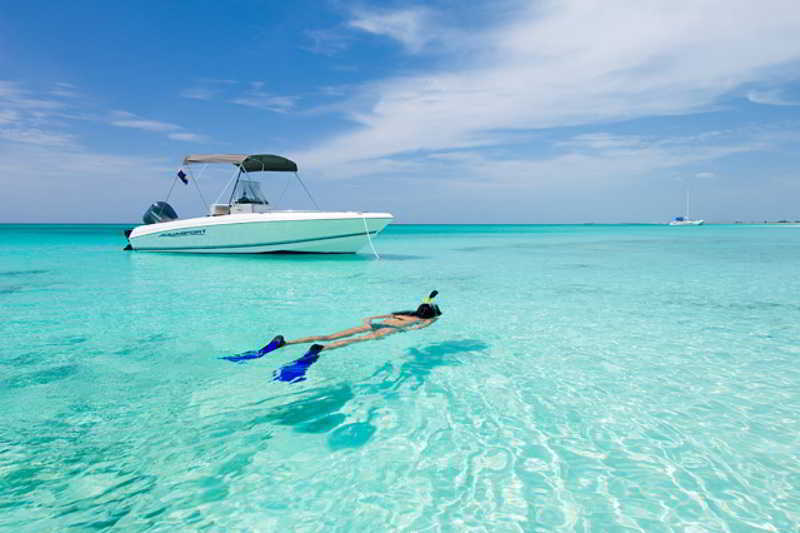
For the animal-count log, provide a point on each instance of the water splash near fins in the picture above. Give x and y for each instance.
(273, 345)
(295, 371)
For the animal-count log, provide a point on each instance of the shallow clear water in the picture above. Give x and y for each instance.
(582, 378)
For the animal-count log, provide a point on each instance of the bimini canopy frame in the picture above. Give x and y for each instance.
(248, 163)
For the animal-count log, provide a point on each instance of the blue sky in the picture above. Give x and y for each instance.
(503, 111)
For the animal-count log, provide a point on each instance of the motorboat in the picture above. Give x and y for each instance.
(242, 221)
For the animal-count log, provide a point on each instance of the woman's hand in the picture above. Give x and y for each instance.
(423, 323)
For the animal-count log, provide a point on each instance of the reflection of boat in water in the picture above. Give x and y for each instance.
(686, 221)
(247, 224)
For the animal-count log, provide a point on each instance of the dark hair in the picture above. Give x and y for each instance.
(427, 311)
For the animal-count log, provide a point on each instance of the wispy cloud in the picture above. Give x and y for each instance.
(407, 26)
(771, 97)
(76, 171)
(207, 89)
(36, 136)
(143, 124)
(192, 137)
(582, 159)
(65, 90)
(327, 41)
(13, 95)
(558, 64)
(8, 116)
(253, 96)
(262, 100)
(125, 119)
(199, 93)
(26, 118)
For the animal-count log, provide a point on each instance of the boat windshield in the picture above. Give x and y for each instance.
(248, 192)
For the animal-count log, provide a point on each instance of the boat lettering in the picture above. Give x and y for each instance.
(186, 233)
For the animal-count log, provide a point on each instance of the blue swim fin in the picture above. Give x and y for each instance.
(296, 370)
(273, 345)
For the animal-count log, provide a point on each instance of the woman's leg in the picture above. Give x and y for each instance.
(374, 335)
(332, 336)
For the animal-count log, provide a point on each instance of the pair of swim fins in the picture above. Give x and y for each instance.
(291, 372)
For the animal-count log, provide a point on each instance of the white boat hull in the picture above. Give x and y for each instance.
(686, 223)
(258, 233)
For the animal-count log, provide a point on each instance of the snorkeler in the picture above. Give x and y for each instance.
(425, 315)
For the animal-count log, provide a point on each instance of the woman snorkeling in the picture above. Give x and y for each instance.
(425, 315)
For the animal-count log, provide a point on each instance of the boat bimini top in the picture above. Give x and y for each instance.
(242, 195)
(248, 163)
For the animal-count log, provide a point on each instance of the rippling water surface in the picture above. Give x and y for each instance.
(582, 378)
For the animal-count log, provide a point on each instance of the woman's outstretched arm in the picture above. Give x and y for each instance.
(422, 324)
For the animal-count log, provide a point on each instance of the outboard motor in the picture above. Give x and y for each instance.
(159, 212)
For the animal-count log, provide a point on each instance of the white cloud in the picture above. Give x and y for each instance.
(566, 63)
(125, 119)
(64, 93)
(598, 158)
(407, 26)
(9, 90)
(771, 97)
(12, 95)
(262, 100)
(190, 137)
(28, 120)
(253, 97)
(602, 140)
(147, 125)
(327, 42)
(36, 136)
(207, 89)
(136, 181)
(64, 90)
(7, 116)
(199, 93)
(703, 175)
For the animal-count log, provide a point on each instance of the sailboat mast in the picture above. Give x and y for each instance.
(687, 204)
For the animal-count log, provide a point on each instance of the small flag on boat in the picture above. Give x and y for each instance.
(182, 176)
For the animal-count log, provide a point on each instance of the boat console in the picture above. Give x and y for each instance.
(249, 208)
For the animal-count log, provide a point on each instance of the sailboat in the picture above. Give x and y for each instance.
(686, 220)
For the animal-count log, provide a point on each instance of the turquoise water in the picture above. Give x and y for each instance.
(582, 378)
